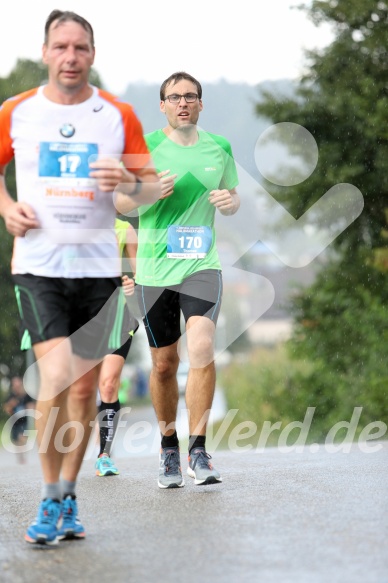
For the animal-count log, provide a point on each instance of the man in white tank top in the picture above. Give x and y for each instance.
(73, 144)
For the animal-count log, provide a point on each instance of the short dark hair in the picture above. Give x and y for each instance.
(58, 15)
(175, 78)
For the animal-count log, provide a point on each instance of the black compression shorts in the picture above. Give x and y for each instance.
(91, 311)
(198, 295)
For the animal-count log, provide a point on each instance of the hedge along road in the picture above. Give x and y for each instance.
(278, 516)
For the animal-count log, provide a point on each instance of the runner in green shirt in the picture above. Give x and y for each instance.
(176, 235)
(178, 270)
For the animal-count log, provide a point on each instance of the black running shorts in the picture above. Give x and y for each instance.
(198, 295)
(91, 311)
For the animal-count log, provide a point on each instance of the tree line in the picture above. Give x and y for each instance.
(341, 320)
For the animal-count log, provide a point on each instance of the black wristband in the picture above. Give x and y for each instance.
(139, 184)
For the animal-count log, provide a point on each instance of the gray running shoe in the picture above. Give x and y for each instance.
(170, 473)
(201, 469)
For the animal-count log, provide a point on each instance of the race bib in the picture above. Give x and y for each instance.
(62, 160)
(68, 193)
(188, 242)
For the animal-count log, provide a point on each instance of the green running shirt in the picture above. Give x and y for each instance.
(176, 236)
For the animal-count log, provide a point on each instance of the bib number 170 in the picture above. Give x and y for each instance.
(189, 242)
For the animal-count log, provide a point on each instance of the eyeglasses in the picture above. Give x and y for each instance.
(175, 98)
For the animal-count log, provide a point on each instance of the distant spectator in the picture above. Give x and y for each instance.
(141, 383)
(16, 404)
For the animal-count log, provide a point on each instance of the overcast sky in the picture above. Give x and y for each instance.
(237, 40)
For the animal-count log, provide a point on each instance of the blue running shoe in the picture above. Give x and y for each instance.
(105, 466)
(71, 526)
(45, 528)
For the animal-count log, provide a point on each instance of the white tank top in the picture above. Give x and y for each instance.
(53, 145)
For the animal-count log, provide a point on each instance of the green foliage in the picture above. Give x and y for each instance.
(265, 387)
(274, 386)
(341, 321)
(341, 324)
(343, 102)
(26, 75)
(9, 329)
(258, 386)
(9, 336)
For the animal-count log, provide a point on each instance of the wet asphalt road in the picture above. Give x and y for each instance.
(312, 517)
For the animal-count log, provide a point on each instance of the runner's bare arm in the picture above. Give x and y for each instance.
(128, 285)
(131, 189)
(167, 183)
(19, 217)
(131, 247)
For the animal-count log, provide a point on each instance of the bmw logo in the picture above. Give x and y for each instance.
(67, 130)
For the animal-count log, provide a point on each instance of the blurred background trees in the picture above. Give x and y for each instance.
(340, 321)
